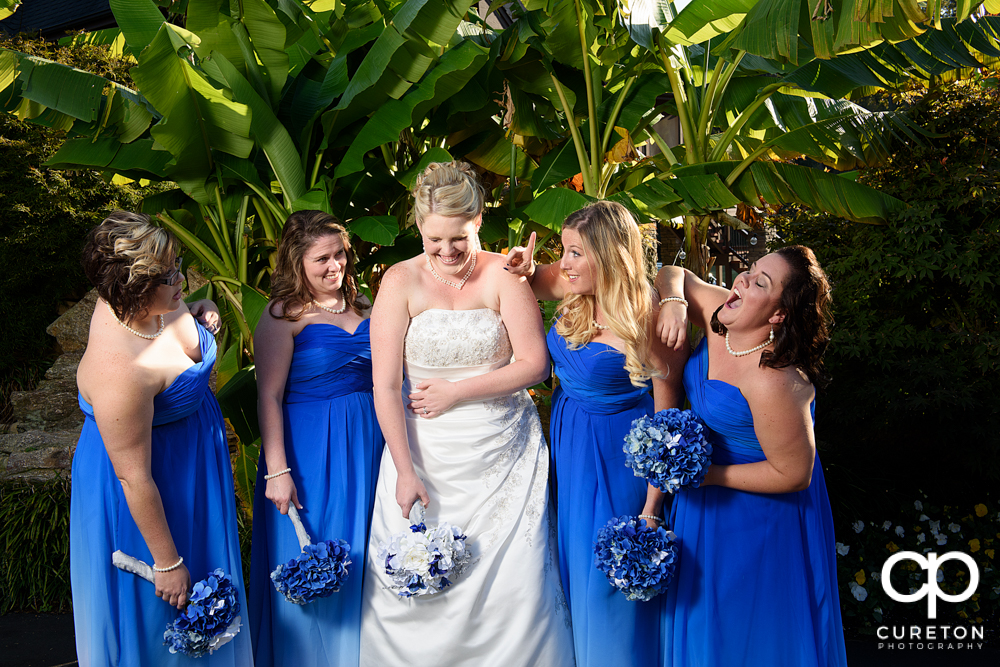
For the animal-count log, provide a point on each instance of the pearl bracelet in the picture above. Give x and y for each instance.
(278, 474)
(168, 569)
(650, 516)
(678, 299)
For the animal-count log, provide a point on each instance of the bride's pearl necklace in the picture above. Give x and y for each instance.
(743, 353)
(334, 311)
(458, 285)
(131, 330)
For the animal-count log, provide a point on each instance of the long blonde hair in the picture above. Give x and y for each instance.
(622, 291)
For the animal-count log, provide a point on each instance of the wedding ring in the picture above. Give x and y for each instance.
(425, 411)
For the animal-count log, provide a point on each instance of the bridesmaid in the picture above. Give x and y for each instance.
(321, 443)
(757, 575)
(151, 472)
(604, 351)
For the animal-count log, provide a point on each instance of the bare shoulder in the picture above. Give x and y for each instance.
(788, 386)
(493, 266)
(107, 370)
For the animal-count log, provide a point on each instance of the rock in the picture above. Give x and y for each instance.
(36, 455)
(47, 410)
(72, 328)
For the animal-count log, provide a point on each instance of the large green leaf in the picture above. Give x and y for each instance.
(138, 159)
(378, 229)
(238, 398)
(268, 35)
(139, 21)
(552, 207)
(254, 304)
(556, 166)
(8, 7)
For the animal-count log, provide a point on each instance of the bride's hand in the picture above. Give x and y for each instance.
(432, 397)
(408, 489)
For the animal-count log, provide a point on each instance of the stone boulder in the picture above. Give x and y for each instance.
(36, 455)
(72, 328)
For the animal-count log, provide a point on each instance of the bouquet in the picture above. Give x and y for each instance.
(420, 559)
(317, 572)
(210, 619)
(637, 560)
(669, 449)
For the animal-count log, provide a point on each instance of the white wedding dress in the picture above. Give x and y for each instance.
(485, 466)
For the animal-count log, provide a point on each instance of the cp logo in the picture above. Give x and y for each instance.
(930, 590)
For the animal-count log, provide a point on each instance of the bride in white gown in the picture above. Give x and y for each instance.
(465, 439)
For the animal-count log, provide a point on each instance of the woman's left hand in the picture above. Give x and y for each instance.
(433, 397)
(206, 312)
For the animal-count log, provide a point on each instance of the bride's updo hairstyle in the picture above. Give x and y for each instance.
(289, 288)
(613, 245)
(124, 257)
(448, 189)
(801, 339)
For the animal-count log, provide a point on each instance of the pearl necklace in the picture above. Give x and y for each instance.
(458, 285)
(770, 339)
(333, 311)
(131, 330)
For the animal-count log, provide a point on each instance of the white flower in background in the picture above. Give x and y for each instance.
(899, 530)
(876, 576)
(858, 591)
(934, 527)
(858, 526)
(954, 527)
(941, 539)
(921, 538)
(917, 505)
(923, 517)
(887, 525)
(842, 549)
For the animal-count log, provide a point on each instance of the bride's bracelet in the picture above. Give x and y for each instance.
(278, 474)
(650, 516)
(678, 299)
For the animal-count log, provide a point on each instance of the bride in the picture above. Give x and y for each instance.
(464, 439)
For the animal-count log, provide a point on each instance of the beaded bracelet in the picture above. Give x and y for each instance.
(168, 569)
(678, 299)
(278, 474)
(650, 516)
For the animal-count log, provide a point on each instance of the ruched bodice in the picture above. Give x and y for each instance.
(593, 376)
(724, 410)
(329, 362)
(184, 395)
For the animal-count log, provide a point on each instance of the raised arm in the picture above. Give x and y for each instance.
(779, 402)
(390, 319)
(122, 397)
(702, 298)
(273, 347)
(545, 279)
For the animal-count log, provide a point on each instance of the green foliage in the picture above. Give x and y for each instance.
(34, 546)
(915, 355)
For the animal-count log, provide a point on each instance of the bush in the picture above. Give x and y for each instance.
(34, 543)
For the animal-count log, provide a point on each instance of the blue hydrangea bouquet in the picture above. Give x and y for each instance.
(637, 559)
(669, 449)
(317, 572)
(420, 559)
(210, 619)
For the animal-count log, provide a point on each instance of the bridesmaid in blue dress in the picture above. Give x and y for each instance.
(151, 472)
(756, 581)
(321, 443)
(604, 352)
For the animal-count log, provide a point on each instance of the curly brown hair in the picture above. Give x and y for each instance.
(125, 257)
(806, 301)
(289, 288)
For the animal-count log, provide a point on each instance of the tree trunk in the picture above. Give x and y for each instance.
(695, 237)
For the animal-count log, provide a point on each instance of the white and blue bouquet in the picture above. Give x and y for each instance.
(420, 559)
(638, 560)
(669, 449)
(317, 572)
(210, 619)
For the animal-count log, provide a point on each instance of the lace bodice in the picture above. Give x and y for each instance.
(448, 338)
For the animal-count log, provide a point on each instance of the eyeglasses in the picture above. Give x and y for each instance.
(170, 277)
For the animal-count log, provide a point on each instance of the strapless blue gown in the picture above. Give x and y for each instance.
(757, 576)
(333, 445)
(592, 409)
(118, 618)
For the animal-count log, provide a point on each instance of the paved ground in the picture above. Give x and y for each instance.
(46, 640)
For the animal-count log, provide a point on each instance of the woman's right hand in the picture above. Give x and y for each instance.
(520, 260)
(672, 324)
(173, 586)
(281, 491)
(408, 489)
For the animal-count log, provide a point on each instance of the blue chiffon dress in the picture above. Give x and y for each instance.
(757, 578)
(592, 410)
(333, 445)
(118, 618)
